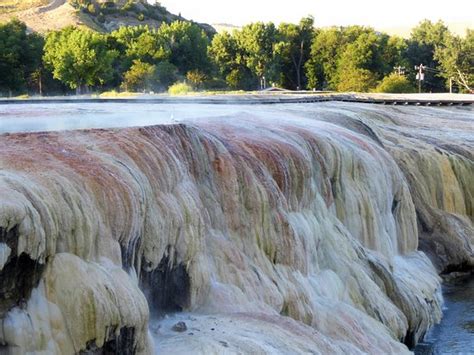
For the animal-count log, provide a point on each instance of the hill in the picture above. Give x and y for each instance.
(458, 28)
(100, 15)
(225, 27)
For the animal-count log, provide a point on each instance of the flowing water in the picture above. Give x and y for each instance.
(455, 333)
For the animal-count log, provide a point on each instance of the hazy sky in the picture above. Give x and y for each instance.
(326, 12)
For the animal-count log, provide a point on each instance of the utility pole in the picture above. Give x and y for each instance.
(420, 75)
(399, 70)
(451, 85)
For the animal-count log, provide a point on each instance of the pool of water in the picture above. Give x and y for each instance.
(455, 333)
(70, 116)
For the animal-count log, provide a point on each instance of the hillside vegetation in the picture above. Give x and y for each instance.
(100, 15)
(9, 6)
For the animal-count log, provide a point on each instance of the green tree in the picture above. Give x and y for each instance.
(396, 84)
(134, 43)
(20, 57)
(294, 48)
(187, 44)
(224, 51)
(139, 43)
(79, 58)
(321, 66)
(256, 44)
(362, 60)
(456, 60)
(326, 50)
(140, 77)
(424, 40)
(395, 53)
(175, 49)
(342, 56)
(228, 56)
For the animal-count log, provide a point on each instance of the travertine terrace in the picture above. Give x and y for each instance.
(316, 227)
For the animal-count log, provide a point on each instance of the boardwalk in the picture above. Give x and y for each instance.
(265, 98)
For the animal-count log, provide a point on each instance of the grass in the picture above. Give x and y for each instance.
(113, 93)
(178, 89)
(7, 6)
(224, 92)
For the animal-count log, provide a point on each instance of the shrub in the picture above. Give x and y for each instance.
(196, 78)
(357, 80)
(241, 78)
(215, 84)
(396, 84)
(180, 89)
(140, 76)
(91, 9)
(108, 4)
(129, 6)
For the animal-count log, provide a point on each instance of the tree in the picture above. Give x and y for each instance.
(136, 43)
(326, 50)
(79, 58)
(20, 57)
(395, 83)
(294, 48)
(395, 53)
(456, 60)
(179, 47)
(229, 57)
(187, 44)
(340, 57)
(224, 51)
(256, 44)
(424, 40)
(363, 61)
(321, 66)
(140, 77)
(139, 43)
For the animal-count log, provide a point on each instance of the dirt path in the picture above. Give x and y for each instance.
(52, 6)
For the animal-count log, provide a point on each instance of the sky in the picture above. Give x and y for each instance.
(378, 14)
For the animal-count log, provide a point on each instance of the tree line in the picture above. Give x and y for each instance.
(292, 56)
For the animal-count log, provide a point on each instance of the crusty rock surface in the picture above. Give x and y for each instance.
(304, 228)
